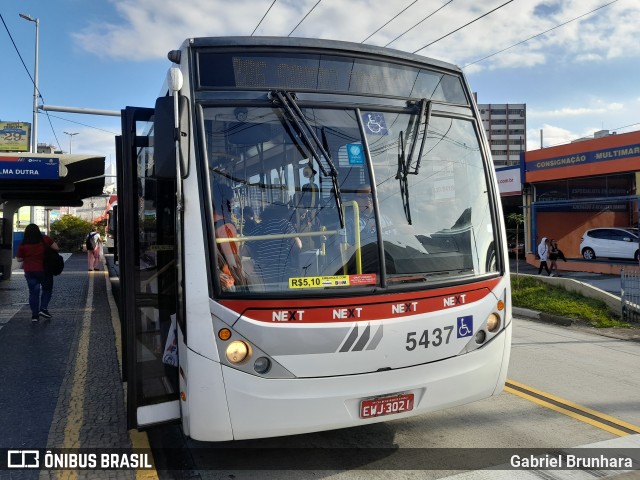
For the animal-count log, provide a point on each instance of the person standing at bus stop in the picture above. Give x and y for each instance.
(94, 249)
(31, 255)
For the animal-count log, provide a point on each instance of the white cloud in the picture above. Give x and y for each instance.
(550, 136)
(553, 135)
(575, 111)
(148, 29)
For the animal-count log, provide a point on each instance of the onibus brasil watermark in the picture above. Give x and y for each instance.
(78, 460)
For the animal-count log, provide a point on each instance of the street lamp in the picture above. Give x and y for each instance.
(34, 127)
(70, 137)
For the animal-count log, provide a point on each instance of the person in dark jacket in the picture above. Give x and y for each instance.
(40, 283)
(554, 254)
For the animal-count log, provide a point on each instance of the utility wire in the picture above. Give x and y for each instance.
(539, 34)
(80, 123)
(612, 129)
(53, 130)
(38, 90)
(303, 18)
(39, 95)
(407, 31)
(263, 17)
(397, 15)
(20, 56)
(463, 26)
(626, 126)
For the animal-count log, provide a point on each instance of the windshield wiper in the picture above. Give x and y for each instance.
(404, 162)
(401, 175)
(296, 117)
(424, 106)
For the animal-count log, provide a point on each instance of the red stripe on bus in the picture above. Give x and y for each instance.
(366, 308)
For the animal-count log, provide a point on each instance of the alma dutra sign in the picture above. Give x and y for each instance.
(29, 168)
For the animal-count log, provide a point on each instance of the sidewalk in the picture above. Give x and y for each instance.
(61, 377)
(594, 285)
(608, 283)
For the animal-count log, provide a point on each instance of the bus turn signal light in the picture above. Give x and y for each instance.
(224, 334)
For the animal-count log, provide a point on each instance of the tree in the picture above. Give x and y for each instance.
(69, 232)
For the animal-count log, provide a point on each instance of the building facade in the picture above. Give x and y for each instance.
(505, 125)
(586, 184)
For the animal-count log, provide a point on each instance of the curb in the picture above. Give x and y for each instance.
(618, 334)
(542, 317)
(558, 320)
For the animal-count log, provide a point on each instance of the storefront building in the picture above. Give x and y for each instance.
(571, 188)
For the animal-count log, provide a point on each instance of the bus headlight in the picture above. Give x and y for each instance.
(237, 351)
(493, 322)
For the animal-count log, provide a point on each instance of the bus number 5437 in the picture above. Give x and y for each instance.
(435, 338)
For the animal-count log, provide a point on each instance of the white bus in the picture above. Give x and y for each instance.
(370, 281)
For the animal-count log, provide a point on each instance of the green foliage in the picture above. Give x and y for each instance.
(516, 219)
(536, 295)
(69, 232)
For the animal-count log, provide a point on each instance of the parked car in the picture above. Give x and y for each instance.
(610, 242)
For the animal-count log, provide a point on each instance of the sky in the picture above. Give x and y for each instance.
(578, 72)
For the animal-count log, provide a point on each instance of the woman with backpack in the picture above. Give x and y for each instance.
(94, 249)
(31, 255)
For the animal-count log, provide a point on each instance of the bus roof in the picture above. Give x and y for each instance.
(315, 44)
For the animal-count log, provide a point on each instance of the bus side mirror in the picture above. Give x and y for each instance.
(165, 136)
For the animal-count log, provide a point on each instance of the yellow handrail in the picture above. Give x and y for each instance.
(356, 228)
(356, 222)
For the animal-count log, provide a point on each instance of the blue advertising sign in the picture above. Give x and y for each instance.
(616, 153)
(29, 168)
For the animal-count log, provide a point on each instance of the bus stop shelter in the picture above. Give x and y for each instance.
(47, 180)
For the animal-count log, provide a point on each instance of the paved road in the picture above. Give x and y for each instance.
(578, 368)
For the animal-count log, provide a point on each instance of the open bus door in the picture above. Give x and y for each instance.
(148, 280)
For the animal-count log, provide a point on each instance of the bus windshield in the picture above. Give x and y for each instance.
(411, 190)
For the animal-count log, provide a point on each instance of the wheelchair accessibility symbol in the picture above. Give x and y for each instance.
(374, 123)
(465, 326)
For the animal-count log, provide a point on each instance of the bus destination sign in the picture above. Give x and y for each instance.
(29, 168)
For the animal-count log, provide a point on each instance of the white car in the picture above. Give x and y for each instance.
(610, 242)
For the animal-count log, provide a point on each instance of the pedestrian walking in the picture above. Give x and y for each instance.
(554, 254)
(543, 253)
(31, 255)
(93, 242)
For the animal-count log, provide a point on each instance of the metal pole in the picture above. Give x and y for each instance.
(47, 220)
(34, 126)
(35, 93)
(70, 137)
(541, 137)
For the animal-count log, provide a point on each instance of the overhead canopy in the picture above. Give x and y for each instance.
(50, 180)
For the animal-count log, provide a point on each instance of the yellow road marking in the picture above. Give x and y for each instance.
(592, 417)
(76, 396)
